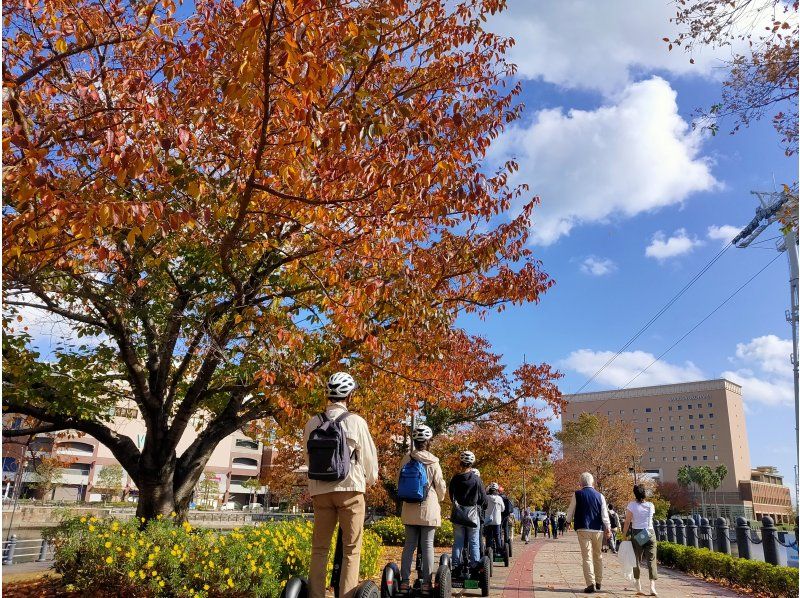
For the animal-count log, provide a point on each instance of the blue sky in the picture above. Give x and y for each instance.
(629, 192)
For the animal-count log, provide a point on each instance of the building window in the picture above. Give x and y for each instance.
(710, 416)
(703, 447)
(699, 416)
(609, 413)
(694, 457)
(649, 449)
(661, 428)
(636, 430)
(245, 463)
(691, 427)
(681, 427)
(621, 411)
(664, 459)
(661, 419)
(648, 410)
(649, 419)
(702, 436)
(689, 407)
(684, 459)
(670, 407)
(713, 437)
(691, 417)
(709, 404)
(649, 429)
(672, 428)
(680, 418)
(635, 421)
(663, 438)
(660, 408)
(636, 411)
(716, 458)
(573, 416)
(680, 407)
(652, 459)
(246, 443)
(694, 448)
(663, 450)
(713, 447)
(649, 439)
(702, 426)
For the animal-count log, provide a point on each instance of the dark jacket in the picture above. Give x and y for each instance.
(509, 506)
(467, 490)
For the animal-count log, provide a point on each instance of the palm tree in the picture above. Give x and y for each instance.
(721, 472)
(686, 476)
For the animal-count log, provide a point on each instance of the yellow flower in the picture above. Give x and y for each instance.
(107, 544)
(154, 573)
(157, 548)
(131, 574)
(91, 528)
(205, 586)
(143, 519)
(142, 574)
(83, 519)
(230, 582)
(93, 519)
(161, 584)
(226, 571)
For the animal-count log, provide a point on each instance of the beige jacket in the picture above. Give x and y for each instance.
(429, 511)
(364, 464)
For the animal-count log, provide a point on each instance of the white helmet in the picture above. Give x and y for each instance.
(340, 385)
(422, 432)
(467, 457)
(493, 486)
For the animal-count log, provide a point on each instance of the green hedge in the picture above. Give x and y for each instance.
(167, 559)
(759, 577)
(392, 532)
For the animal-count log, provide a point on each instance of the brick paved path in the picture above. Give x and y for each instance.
(552, 569)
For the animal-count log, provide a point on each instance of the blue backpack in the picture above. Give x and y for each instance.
(413, 484)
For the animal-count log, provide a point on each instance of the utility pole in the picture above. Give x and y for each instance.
(772, 202)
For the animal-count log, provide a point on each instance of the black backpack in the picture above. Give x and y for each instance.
(328, 451)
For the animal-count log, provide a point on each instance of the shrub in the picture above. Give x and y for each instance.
(167, 559)
(759, 577)
(393, 533)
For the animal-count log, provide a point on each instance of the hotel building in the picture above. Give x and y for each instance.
(694, 423)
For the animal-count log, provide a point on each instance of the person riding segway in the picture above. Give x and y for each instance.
(342, 461)
(421, 488)
(471, 567)
(505, 524)
(492, 521)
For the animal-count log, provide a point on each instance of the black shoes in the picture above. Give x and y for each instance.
(589, 589)
(597, 587)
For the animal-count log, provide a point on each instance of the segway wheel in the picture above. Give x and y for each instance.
(296, 587)
(444, 561)
(390, 580)
(509, 543)
(443, 582)
(485, 574)
(490, 556)
(367, 589)
(506, 559)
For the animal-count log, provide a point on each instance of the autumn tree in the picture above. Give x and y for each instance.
(605, 449)
(109, 481)
(762, 78)
(678, 496)
(233, 204)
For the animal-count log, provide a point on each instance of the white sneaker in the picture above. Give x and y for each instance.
(653, 588)
(638, 586)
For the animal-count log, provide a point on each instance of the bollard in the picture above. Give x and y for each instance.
(680, 534)
(43, 549)
(11, 546)
(723, 541)
(706, 534)
(743, 537)
(670, 530)
(660, 531)
(769, 537)
(691, 532)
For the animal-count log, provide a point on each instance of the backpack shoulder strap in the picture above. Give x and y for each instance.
(342, 417)
(323, 417)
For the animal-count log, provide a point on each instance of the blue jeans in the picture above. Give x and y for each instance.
(493, 537)
(469, 536)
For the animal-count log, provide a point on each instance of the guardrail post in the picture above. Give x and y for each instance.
(43, 549)
(670, 530)
(743, 537)
(11, 546)
(723, 544)
(680, 535)
(657, 529)
(691, 532)
(663, 530)
(706, 540)
(769, 536)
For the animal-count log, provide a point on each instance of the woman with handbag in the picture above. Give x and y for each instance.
(467, 495)
(639, 522)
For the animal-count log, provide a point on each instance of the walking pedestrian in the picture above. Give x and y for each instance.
(527, 522)
(639, 522)
(421, 518)
(546, 526)
(589, 510)
(612, 539)
(562, 523)
(337, 480)
(554, 525)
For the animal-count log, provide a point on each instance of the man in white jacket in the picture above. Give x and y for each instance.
(493, 517)
(341, 501)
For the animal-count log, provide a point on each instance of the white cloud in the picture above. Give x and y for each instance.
(662, 248)
(723, 233)
(597, 266)
(601, 45)
(765, 371)
(628, 365)
(620, 160)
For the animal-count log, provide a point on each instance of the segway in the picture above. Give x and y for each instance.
(477, 576)
(297, 587)
(507, 538)
(441, 586)
(500, 557)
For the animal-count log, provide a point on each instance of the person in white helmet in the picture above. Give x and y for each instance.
(420, 477)
(467, 495)
(494, 517)
(342, 461)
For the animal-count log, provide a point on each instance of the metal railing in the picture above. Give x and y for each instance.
(26, 551)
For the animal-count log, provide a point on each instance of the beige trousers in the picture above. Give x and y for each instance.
(346, 508)
(591, 544)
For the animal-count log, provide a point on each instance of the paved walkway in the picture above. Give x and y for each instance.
(552, 569)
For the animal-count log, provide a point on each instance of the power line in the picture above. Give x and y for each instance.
(658, 314)
(696, 326)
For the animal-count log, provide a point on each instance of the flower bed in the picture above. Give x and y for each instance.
(393, 533)
(758, 577)
(167, 559)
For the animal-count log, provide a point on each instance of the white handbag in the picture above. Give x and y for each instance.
(627, 558)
